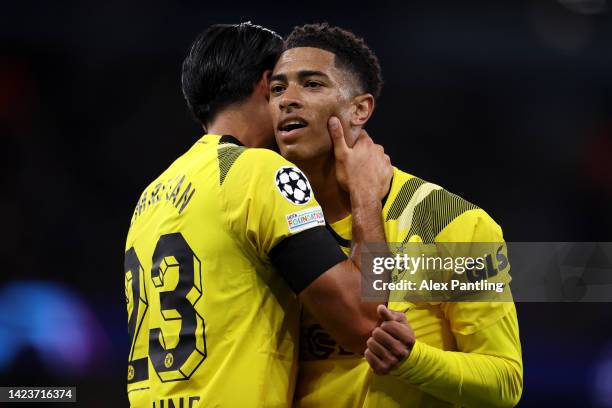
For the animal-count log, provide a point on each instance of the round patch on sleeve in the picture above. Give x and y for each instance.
(293, 185)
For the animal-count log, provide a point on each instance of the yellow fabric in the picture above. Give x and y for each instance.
(467, 353)
(487, 372)
(222, 200)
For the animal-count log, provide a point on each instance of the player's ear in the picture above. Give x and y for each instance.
(362, 109)
(264, 83)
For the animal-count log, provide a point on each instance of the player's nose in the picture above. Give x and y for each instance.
(290, 99)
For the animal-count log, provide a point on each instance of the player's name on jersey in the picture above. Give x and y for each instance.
(180, 402)
(177, 191)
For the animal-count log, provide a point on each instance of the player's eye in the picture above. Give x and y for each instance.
(277, 89)
(312, 84)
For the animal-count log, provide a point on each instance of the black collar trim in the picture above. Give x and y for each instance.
(384, 200)
(230, 139)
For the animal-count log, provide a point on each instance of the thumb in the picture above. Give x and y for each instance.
(337, 135)
(388, 315)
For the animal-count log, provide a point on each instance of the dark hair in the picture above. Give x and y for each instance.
(352, 53)
(224, 64)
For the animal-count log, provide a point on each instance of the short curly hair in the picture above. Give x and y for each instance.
(352, 53)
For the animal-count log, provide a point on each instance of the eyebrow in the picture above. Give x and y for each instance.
(301, 75)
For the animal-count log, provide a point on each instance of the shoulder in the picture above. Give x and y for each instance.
(437, 214)
(265, 174)
(252, 162)
(265, 160)
(263, 167)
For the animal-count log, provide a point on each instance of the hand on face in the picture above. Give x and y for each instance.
(363, 168)
(391, 342)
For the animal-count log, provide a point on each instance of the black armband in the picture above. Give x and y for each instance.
(303, 257)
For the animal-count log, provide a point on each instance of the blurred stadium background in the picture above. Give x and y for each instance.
(508, 104)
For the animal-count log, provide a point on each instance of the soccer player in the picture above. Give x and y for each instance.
(464, 353)
(226, 240)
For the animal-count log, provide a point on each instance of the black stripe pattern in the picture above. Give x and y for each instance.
(227, 155)
(435, 212)
(432, 214)
(403, 198)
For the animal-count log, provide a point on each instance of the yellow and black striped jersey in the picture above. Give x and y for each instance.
(414, 211)
(211, 282)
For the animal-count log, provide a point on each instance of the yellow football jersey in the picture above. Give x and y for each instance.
(212, 322)
(414, 211)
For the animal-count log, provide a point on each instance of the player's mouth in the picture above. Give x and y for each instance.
(291, 127)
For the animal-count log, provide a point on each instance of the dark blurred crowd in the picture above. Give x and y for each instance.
(507, 104)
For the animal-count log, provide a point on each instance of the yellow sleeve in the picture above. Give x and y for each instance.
(468, 317)
(267, 200)
(488, 371)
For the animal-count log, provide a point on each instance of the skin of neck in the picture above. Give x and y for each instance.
(237, 120)
(321, 172)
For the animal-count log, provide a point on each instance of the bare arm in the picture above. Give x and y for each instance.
(335, 297)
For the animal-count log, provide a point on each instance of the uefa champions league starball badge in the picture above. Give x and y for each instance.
(293, 185)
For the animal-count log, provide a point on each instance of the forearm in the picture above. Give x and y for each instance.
(368, 229)
(469, 379)
(367, 223)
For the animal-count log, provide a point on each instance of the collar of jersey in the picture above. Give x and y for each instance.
(342, 229)
(230, 139)
(223, 139)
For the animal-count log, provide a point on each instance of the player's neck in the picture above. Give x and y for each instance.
(240, 124)
(336, 202)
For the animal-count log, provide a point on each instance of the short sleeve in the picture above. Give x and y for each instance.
(271, 207)
(269, 199)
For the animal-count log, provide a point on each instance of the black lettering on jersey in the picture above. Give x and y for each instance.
(317, 344)
(180, 402)
(185, 198)
(175, 190)
(142, 204)
(138, 369)
(489, 271)
(181, 361)
(179, 198)
(168, 187)
(155, 198)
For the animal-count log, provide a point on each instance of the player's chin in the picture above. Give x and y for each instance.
(290, 152)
